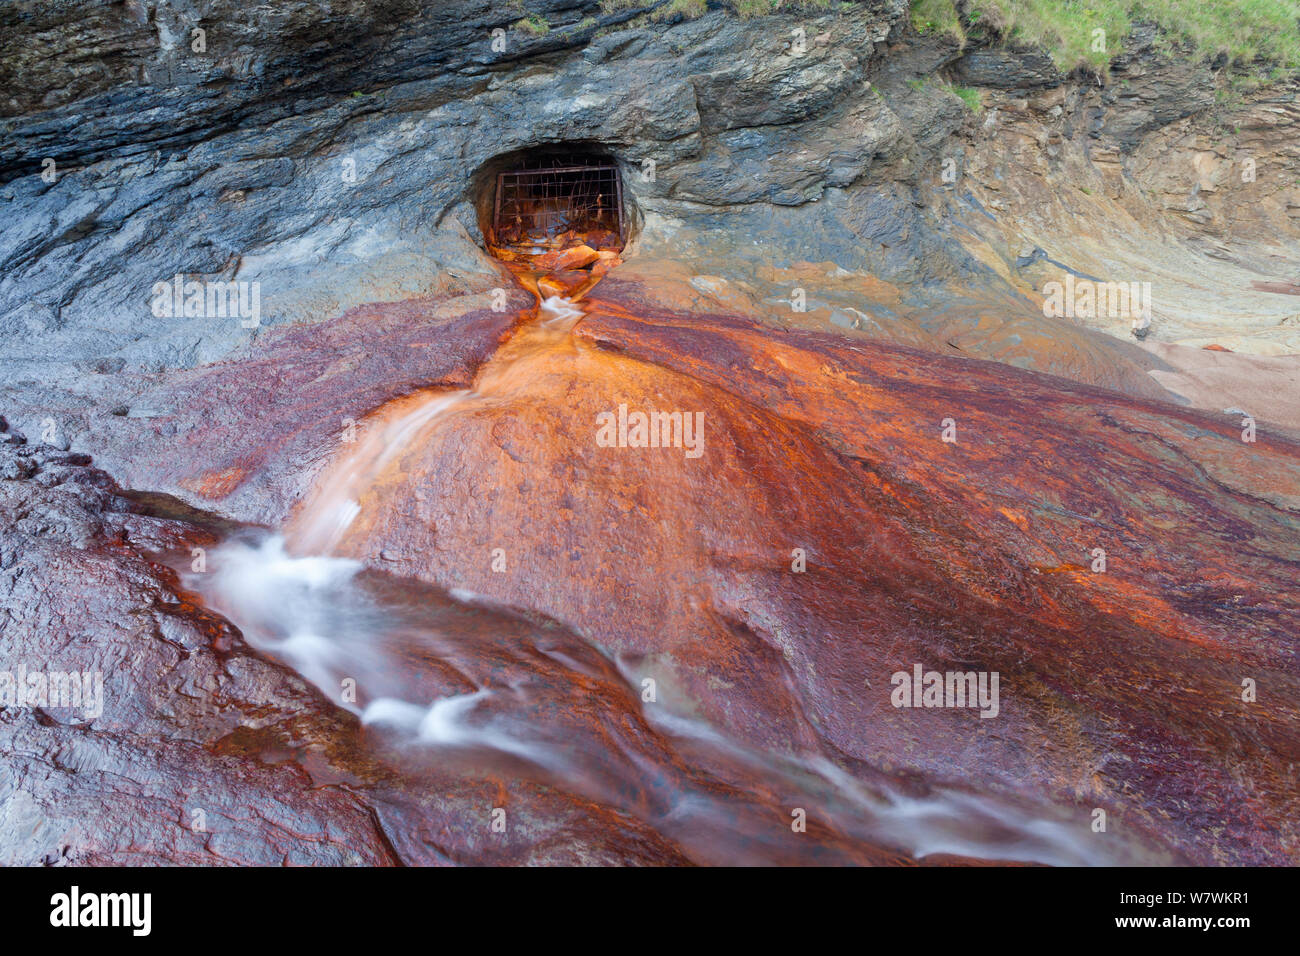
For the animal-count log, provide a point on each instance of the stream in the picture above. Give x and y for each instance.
(448, 677)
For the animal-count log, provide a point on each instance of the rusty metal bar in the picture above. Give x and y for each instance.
(534, 206)
(556, 169)
(618, 190)
(496, 208)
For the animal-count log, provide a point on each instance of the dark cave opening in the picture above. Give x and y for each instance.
(550, 198)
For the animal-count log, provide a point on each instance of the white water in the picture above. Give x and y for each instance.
(443, 675)
(337, 502)
(559, 313)
(318, 615)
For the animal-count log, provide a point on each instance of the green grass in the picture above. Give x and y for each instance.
(687, 8)
(937, 16)
(535, 25)
(970, 96)
(1245, 30)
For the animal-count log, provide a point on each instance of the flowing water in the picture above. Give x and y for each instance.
(334, 505)
(450, 678)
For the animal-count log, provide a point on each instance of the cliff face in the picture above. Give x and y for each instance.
(333, 152)
(333, 161)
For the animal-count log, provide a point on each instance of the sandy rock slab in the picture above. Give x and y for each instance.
(1266, 387)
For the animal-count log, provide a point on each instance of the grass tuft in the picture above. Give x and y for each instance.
(1092, 32)
(971, 97)
(537, 26)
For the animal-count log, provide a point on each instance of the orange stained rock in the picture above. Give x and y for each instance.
(565, 284)
(826, 537)
(217, 484)
(575, 257)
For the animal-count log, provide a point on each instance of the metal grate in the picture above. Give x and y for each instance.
(541, 206)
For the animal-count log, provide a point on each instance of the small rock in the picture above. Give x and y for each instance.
(14, 469)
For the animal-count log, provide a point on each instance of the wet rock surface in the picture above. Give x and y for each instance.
(1122, 689)
(119, 779)
(198, 750)
(825, 537)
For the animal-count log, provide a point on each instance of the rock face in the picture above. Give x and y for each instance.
(687, 565)
(122, 779)
(262, 150)
(823, 539)
(190, 748)
(1009, 69)
(1119, 185)
(333, 155)
(824, 240)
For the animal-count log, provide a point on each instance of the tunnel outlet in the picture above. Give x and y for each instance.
(545, 200)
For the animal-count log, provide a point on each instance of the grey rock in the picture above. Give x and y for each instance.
(1009, 69)
(258, 162)
(254, 162)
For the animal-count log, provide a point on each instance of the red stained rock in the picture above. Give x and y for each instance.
(604, 240)
(205, 752)
(1120, 690)
(247, 435)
